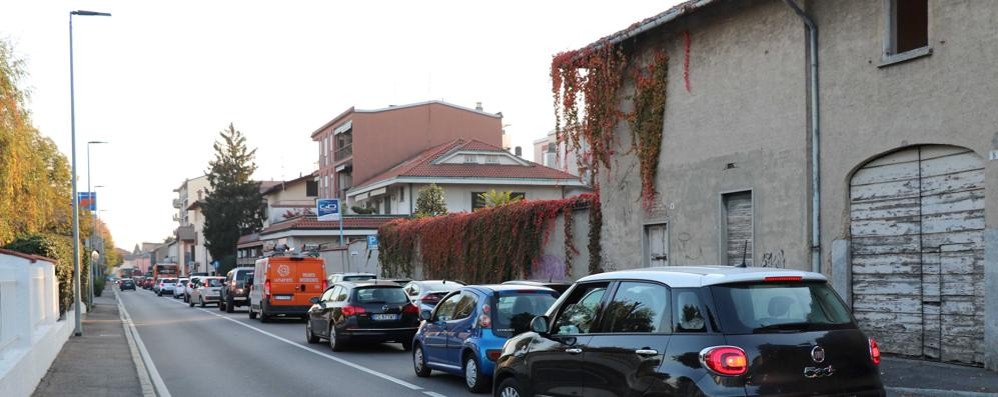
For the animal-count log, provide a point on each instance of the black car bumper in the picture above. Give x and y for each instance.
(379, 334)
(273, 310)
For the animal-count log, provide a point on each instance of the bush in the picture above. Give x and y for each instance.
(99, 286)
(363, 210)
(59, 248)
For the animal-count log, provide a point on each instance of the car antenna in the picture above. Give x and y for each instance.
(744, 254)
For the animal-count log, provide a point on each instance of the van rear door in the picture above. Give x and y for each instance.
(293, 281)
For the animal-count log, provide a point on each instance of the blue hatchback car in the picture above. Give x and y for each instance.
(464, 333)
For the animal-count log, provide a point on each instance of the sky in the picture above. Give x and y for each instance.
(159, 79)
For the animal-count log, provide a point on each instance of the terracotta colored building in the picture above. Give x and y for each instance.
(359, 144)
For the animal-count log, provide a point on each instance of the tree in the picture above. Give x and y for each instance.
(431, 201)
(234, 205)
(493, 198)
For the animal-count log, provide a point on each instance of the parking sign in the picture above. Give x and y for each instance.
(327, 209)
(372, 242)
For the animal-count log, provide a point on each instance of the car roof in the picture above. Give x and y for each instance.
(506, 287)
(699, 276)
(535, 282)
(369, 283)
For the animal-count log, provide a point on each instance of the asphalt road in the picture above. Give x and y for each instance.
(209, 352)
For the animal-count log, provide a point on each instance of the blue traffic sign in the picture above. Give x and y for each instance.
(372, 242)
(327, 209)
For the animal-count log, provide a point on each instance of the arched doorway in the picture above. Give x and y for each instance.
(917, 223)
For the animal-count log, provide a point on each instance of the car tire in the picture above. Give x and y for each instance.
(335, 343)
(264, 317)
(191, 303)
(407, 345)
(309, 335)
(221, 305)
(509, 387)
(473, 377)
(229, 306)
(252, 314)
(186, 298)
(160, 293)
(202, 302)
(419, 362)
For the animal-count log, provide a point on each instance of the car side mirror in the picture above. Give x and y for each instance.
(424, 315)
(314, 300)
(540, 325)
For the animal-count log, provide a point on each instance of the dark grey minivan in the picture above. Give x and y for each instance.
(693, 331)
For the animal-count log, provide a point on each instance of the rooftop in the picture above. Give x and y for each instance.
(310, 223)
(342, 116)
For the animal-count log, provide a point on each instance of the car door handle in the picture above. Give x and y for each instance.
(573, 350)
(646, 352)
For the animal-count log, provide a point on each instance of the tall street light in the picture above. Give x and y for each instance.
(76, 200)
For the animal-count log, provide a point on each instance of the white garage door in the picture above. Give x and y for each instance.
(917, 221)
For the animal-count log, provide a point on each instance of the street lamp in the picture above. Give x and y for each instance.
(76, 200)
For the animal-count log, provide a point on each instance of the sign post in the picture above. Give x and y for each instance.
(372, 242)
(329, 210)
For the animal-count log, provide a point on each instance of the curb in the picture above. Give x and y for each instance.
(939, 393)
(147, 387)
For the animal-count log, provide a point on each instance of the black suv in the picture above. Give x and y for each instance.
(235, 290)
(693, 331)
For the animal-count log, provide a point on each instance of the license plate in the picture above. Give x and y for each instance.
(384, 317)
(282, 298)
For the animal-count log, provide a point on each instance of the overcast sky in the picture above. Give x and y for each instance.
(160, 79)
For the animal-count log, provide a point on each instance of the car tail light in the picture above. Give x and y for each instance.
(783, 278)
(874, 352)
(410, 308)
(430, 299)
(493, 354)
(350, 310)
(724, 360)
(266, 289)
(324, 285)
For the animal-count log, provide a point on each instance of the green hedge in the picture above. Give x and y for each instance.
(59, 248)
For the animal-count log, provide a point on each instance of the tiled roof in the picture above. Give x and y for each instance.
(349, 222)
(249, 238)
(267, 187)
(423, 165)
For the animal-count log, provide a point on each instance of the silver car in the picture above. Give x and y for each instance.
(180, 287)
(207, 291)
(165, 286)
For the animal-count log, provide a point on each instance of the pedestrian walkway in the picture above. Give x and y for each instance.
(916, 378)
(99, 363)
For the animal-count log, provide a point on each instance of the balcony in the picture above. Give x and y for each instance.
(343, 152)
(186, 233)
(176, 218)
(177, 203)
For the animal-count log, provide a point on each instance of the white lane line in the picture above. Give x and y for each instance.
(433, 394)
(157, 380)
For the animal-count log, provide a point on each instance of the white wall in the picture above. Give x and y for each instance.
(30, 334)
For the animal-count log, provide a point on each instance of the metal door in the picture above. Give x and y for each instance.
(657, 245)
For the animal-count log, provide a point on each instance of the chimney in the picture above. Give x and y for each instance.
(478, 106)
(518, 151)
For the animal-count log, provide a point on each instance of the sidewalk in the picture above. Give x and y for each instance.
(99, 363)
(915, 378)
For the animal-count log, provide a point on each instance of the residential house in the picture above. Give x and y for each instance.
(464, 168)
(284, 200)
(358, 144)
(191, 251)
(867, 157)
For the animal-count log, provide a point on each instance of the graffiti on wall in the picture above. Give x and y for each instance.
(775, 259)
(689, 250)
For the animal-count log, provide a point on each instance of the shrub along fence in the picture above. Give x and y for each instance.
(541, 239)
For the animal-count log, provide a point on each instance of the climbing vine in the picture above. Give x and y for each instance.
(646, 120)
(488, 245)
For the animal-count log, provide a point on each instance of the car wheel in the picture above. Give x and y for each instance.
(334, 341)
(309, 335)
(264, 317)
(229, 306)
(473, 378)
(160, 293)
(419, 362)
(200, 299)
(221, 305)
(186, 298)
(191, 303)
(407, 345)
(509, 388)
(252, 313)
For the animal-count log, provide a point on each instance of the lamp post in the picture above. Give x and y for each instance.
(76, 200)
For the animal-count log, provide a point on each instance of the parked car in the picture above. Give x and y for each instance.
(180, 287)
(127, 284)
(693, 331)
(207, 290)
(465, 333)
(235, 290)
(337, 277)
(164, 286)
(369, 311)
(427, 293)
(559, 286)
(284, 285)
(190, 287)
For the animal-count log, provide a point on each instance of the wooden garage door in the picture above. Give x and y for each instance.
(917, 221)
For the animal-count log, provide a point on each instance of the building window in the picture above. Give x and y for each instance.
(908, 26)
(478, 199)
(736, 217)
(311, 188)
(492, 159)
(402, 194)
(470, 158)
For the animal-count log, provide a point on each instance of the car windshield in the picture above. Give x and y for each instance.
(515, 309)
(383, 295)
(213, 282)
(772, 307)
(169, 281)
(240, 276)
(440, 286)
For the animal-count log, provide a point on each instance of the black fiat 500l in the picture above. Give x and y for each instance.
(693, 331)
(362, 312)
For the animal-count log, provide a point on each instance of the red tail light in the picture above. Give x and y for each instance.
(410, 308)
(783, 278)
(430, 299)
(724, 360)
(266, 289)
(874, 352)
(352, 310)
(493, 354)
(485, 320)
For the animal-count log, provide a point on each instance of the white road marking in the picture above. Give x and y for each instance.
(329, 356)
(157, 380)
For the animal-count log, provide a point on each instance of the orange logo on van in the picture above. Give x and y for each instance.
(283, 270)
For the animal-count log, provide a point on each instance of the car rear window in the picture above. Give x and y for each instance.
(515, 309)
(779, 307)
(387, 295)
(169, 280)
(359, 278)
(448, 286)
(213, 282)
(240, 276)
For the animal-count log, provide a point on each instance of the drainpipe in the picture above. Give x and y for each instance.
(812, 33)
